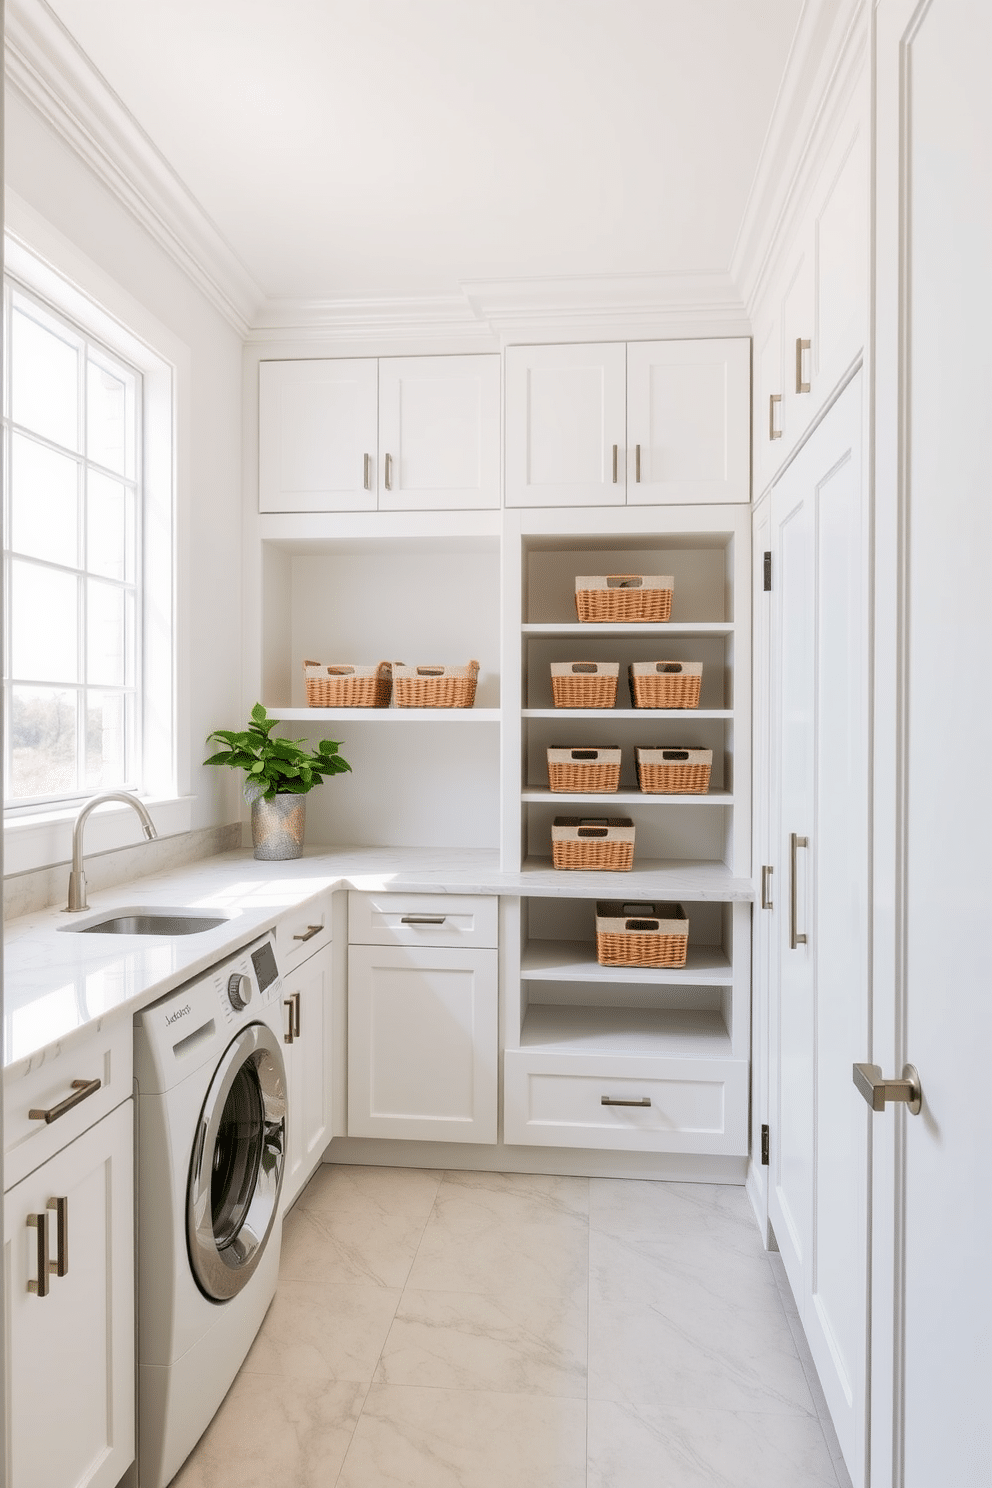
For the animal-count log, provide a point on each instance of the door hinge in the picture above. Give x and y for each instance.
(764, 1147)
(768, 570)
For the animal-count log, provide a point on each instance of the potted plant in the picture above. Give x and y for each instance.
(278, 773)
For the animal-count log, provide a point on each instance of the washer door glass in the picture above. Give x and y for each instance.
(237, 1164)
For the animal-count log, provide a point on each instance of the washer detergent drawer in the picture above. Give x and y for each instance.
(76, 1085)
(466, 920)
(639, 1104)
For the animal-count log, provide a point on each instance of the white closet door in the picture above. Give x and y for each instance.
(689, 415)
(565, 420)
(317, 435)
(439, 433)
(819, 1012)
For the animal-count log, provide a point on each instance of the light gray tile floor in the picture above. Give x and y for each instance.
(484, 1330)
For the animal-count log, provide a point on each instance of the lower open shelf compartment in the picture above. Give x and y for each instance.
(671, 1032)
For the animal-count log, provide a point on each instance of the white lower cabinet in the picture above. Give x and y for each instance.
(306, 995)
(422, 1043)
(70, 1340)
(633, 1104)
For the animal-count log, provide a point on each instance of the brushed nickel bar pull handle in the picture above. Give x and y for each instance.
(876, 1090)
(296, 1014)
(637, 463)
(423, 919)
(60, 1266)
(82, 1090)
(766, 883)
(773, 403)
(311, 931)
(616, 453)
(289, 1035)
(367, 481)
(389, 472)
(41, 1287)
(802, 386)
(795, 938)
(609, 1100)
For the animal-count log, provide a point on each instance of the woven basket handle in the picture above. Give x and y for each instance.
(668, 666)
(585, 754)
(591, 831)
(428, 671)
(642, 924)
(585, 666)
(623, 581)
(340, 671)
(675, 754)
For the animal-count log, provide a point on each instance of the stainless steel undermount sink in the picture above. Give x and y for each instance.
(148, 922)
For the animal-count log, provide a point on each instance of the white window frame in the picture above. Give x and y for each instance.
(50, 267)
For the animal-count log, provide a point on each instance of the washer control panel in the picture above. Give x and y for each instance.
(252, 974)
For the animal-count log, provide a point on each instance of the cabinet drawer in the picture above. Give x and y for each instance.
(302, 931)
(694, 1105)
(105, 1056)
(423, 919)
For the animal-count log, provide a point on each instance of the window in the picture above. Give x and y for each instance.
(73, 509)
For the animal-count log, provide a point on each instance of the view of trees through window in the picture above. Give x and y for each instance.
(72, 508)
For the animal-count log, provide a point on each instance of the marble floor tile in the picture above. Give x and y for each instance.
(335, 1332)
(466, 1341)
(628, 1269)
(670, 1216)
(276, 1431)
(420, 1438)
(654, 1353)
(516, 1196)
(358, 1224)
(636, 1446)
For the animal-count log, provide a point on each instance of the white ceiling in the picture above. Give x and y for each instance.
(380, 148)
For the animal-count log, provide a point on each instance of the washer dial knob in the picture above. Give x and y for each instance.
(239, 990)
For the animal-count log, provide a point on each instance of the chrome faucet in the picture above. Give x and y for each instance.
(77, 878)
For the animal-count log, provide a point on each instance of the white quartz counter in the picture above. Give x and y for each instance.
(57, 983)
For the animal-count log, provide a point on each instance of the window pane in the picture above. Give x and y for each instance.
(43, 382)
(43, 502)
(109, 527)
(106, 421)
(105, 647)
(106, 741)
(43, 624)
(42, 742)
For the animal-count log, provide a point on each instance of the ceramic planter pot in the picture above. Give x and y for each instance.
(277, 827)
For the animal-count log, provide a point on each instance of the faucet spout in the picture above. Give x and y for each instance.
(77, 878)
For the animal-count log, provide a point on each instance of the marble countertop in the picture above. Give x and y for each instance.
(56, 984)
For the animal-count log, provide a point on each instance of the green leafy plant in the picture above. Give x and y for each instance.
(274, 767)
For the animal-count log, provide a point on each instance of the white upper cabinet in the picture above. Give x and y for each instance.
(317, 435)
(644, 423)
(396, 434)
(566, 425)
(688, 422)
(438, 433)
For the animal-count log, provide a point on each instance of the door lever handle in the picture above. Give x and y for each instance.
(876, 1090)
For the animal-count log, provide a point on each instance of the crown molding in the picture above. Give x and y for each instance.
(44, 64)
(827, 57)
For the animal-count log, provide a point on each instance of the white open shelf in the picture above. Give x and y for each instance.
(626, 798)
(670, 628)
(650, 879)
(385, 715)
(649, 715)
(575, 961)
(670, 1032)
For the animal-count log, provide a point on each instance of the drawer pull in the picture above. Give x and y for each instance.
(82, 1090)
(39, 1222)
(610, 1100)
(311, 931)
(60, 1266)
(423, 919)
(289, 1035)
(296, 1015)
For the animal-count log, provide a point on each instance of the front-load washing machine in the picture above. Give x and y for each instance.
(211, 1110)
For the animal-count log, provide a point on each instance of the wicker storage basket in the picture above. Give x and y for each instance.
(665, 684)
(584, 684)
(608, 598)
(435, 686)
(584, 769)
(600, 843)
(341, 685)
(641, 934)
(674, 771)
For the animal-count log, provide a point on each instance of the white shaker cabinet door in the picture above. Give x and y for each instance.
(688, 421)
(565, 422)
(317, 435)
(306, 996)
(70, 1376)
(438, 433)
(422, 1043)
